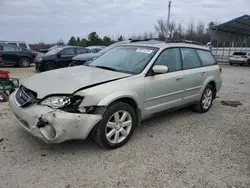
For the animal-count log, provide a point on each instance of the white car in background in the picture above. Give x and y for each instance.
(240, 58)
(21, 44)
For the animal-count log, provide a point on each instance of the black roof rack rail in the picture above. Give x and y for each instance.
(141, 40)
(183, 41)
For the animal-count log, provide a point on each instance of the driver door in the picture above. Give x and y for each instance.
(66, 56)
(165, 91)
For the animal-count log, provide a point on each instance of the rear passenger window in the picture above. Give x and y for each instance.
(190, 59)
(206, 57)
(170, 58)
(13, 44)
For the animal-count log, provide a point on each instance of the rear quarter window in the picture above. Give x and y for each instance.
(22, 45)
(206, 57)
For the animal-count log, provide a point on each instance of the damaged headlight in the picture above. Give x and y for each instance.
(57, 102)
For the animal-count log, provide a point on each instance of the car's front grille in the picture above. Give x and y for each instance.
(25, 97)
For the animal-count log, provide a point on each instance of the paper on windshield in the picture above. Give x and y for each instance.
(144, 50)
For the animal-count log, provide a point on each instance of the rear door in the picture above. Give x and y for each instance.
(10, 55)
(66, 56)
(194, 74)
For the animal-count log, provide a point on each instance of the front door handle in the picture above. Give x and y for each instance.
(178, 78)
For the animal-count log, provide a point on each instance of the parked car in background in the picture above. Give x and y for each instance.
(107, 99)
(95, 49)
(240, 58)
(16, 56)
(20, 44)
(58, 57)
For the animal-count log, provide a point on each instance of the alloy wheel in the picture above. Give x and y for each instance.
(207, 98)
(118, 127)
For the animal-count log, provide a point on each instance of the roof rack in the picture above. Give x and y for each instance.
(141, 40)
(182, 41)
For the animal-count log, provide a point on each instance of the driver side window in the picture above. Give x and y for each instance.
(170, 58)
(68, 51)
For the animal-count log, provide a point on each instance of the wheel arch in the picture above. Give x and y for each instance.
(210, 81)
(130, 98)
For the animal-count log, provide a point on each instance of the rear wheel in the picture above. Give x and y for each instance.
(49, 66)
(116, 127)
(206, 100)
(230, 63)
(24, 62)
(3, 97)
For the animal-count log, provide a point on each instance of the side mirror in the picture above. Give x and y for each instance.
(160, 69)
(59, 54)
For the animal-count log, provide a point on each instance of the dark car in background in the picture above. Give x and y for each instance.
(58, 57)
(16, 56)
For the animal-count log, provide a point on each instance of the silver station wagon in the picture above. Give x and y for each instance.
(107, 99)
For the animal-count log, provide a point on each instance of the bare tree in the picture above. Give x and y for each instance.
(172, 30)
(161, 28)
(190, 33)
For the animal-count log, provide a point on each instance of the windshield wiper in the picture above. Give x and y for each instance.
(107, 68)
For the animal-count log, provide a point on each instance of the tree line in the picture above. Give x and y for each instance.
(197, 32)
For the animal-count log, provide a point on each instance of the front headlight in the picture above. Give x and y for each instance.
(57, 102)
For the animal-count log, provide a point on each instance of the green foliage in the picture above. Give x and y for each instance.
(92, 39)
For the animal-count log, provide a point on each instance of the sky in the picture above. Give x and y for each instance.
(51, 20)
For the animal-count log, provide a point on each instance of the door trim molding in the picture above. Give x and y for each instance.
(166, 95)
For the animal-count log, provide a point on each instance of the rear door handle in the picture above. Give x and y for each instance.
(178, 78)
(204, 73)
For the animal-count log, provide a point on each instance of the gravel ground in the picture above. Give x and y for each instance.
(178, 149)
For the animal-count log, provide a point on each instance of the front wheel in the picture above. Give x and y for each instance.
(3, 97)
(116, 127)
(206, 100)
(49, 66)
(24, 62)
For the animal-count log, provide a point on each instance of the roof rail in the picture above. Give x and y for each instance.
(182, 41)
(141, 40)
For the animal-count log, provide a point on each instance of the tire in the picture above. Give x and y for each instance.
(230, 63)
(201, 107)
(24, 62)
(72, 64)
(115, 135)
(3, 97)
(49, 66)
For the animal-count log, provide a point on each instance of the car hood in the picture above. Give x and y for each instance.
(68, 80)
(86, 57)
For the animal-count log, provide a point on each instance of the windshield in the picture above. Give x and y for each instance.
(112, 46)
(54, 51)
(128, 59)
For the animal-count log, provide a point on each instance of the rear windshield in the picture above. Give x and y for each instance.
(239, 53)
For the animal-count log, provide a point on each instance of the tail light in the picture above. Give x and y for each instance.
(220, 69)
(34, 53)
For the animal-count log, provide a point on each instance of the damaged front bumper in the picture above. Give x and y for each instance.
(53, 126)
